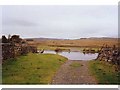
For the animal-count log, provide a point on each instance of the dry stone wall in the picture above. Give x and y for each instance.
(110, 54)
(15, 46)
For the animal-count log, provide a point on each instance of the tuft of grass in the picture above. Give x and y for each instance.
(31, 69)
(40, 47)
(104, 72)
(75, 65)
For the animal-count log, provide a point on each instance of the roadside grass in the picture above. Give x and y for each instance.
(104, 72)
(75, 65)
(31, 69)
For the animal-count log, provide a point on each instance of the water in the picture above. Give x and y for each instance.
(76, 55)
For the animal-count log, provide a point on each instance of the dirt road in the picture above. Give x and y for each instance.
(74, 72)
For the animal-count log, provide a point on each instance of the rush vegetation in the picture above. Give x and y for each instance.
(86, 42)
(76, 44)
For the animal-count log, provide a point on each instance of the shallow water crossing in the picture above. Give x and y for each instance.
(76, 55)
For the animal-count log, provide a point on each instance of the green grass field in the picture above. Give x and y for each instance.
(32, 69)
(104, 72)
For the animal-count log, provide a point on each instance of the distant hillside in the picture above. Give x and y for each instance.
(105, 38)
(94, 38)
(44, 39)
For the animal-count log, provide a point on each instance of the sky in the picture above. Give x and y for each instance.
(65, 22)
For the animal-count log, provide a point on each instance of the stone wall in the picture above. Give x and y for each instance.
(15, 46)
(110, 54)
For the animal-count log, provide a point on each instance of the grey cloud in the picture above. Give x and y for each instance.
(18, 22)
(61, 21)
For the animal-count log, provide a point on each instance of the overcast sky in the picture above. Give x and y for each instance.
(60, 21)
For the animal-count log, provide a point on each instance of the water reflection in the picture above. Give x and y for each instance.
(76, 55)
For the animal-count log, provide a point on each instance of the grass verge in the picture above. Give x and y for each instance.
(31, 69)
(104, 72)
(75, 65)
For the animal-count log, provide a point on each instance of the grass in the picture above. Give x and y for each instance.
(97, 43)
(75, 65)
(32, 69)
(104, 72)
(40, 47)
(96, 49)
(74, 48)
